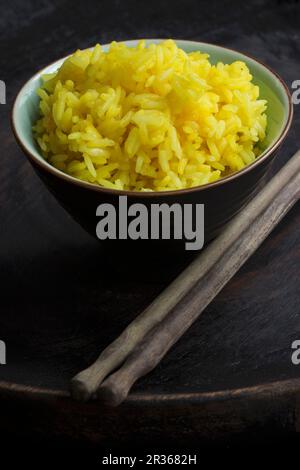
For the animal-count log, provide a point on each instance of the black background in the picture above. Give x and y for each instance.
(38, 239)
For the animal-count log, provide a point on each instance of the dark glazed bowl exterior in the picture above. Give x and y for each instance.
(221, 203)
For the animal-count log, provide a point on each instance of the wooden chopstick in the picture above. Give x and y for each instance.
(147, 339)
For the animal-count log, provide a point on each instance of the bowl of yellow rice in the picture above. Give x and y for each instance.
(156, 120)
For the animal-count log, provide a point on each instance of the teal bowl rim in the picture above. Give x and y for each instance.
(43, 164)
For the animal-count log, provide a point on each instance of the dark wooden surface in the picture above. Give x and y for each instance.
(61, 302)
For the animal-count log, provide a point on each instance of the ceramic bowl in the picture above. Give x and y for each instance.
(222, 199)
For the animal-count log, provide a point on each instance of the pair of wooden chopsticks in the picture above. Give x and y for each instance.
(148, 338)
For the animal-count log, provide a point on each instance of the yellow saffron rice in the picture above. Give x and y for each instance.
(149, 118)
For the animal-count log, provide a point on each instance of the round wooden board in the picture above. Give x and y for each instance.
(63, 302)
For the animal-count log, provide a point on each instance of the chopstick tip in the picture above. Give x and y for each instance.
(79, 390)
(110, 396)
